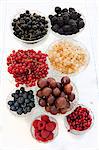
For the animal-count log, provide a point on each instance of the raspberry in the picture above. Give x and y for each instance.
(45, 118)
(45, 134)
(35, 123)
(50, 126)
(51, 136)
(37, 136)
(41, 125)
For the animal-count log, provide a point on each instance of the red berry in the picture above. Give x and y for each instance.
(35, 123)
(44, 133)
(41, 125)
(45, 118)
(50, 126)
(51, 136)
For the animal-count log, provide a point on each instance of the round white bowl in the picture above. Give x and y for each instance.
(31, 11)
(76, 132)
(55, 132)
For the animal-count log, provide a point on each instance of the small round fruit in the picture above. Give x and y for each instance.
(63, 94)
(42, 83)
(42, 102)
(47, 108)
(52, 82)
(56, 92)
(68, 88)
(71, 97)
(53, 110)
(46, 91)
(65, 80)
(59, 85)
(39, 93)
(63, 110)
(51, 100)
(60, 102)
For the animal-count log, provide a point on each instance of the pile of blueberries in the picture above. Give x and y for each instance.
(23, 101)
(66, 21)
(30, 27)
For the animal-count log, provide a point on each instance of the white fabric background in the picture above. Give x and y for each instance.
(15, 131)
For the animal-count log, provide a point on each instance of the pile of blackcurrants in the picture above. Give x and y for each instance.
(66, 21)
(30, 27)
(22, 101)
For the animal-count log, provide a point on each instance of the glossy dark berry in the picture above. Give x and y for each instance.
(57, 10)
(10, 103)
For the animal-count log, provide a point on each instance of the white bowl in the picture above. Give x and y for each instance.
(76, 132)
(55, 132)
(10, 98)
(73, 104)
(75, 42)
(31, 11)
(72, 35)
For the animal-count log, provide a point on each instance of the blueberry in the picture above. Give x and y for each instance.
(17, 91)
(22, 89)
(30, 92)
(66, 19)
(29, 96)
(60, 31)
(57, 10)
(31, 104)
(10, 103)
(25, 110)
(27, 101)
(20, 94)
(32, 99)
(13, 108)
(13, 94)
(28, 109)
(66, 28)
(55, 27)
(20, 100)
(71, 9)
(16, 104)
(81, 24)
(25, 95)
(16, 96)
(19, 111)
(23, 105)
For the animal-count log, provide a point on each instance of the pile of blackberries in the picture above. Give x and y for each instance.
(66, 21)
(30, 27)
(22, 101)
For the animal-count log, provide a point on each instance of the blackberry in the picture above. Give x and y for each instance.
(55, 27)
(81, 24)
(60, 31)
(71, 9)
(57, 10)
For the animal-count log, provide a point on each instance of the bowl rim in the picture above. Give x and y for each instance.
(77, 43)
(31, 11)
(56, 131)
(76, 132)
(14, 112)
